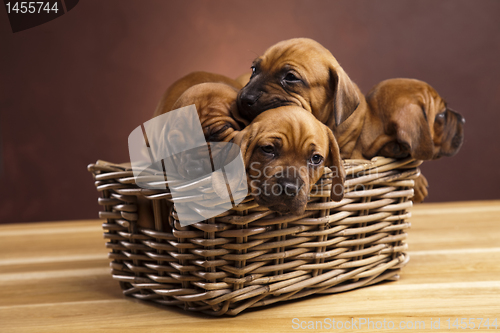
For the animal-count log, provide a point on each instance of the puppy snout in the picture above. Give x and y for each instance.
(291, 187)
(249, 98)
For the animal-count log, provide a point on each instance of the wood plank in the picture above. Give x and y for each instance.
(462, 225)
(52, 239)
(55, 278)
(377, 303)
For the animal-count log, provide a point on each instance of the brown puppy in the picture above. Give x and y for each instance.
(285, 151)
(216, 106)
(180, 86)
(407, 117)
(302, 72)
(216, 110)
(214, 96)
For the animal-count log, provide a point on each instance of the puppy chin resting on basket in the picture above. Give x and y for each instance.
(285, 152)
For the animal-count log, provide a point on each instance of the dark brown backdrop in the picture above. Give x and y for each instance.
(74, 88)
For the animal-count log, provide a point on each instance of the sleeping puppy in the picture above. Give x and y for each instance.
(180, 86)
(214, 97)
(285, 151)
(407, 117)
(302, 72)
(215, 104)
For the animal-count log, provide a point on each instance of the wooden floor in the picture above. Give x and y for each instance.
(54, 277)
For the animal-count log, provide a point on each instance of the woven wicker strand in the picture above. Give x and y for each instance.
(249, 256)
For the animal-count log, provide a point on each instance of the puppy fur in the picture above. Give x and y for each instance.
(302, 72)
(285, 151)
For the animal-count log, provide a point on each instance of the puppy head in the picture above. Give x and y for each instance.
(285, 151)
(299, 72)
(216, 106)
(418, 118)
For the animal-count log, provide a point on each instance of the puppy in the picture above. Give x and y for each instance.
(215, 103)
(285, 151)
(302, 72)
(407, 117)
(180, 86)
(216, 106)
(214, 97)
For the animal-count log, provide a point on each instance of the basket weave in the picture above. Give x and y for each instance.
(249, 256)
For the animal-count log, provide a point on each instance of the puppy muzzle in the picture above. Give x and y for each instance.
(284, 195)
(247, 104)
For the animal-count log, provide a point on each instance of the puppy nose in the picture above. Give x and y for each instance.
(250, 99)
(290, 188)
(462, 120)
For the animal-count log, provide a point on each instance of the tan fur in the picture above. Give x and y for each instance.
(402, 121)
(324, 89)
(295, 136)
(180, 86)
(214, 96)
(407, 117)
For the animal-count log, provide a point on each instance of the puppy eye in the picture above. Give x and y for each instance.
(269, 149)
(441, 116)
(316, 159)
(254, 70)
(217, 131)
(291, 77)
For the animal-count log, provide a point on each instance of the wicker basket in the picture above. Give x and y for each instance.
(249, 256)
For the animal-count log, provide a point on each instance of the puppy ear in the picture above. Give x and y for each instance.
(244, 140)
(335, 163)
(345, 95)
(235, 113)
(413, 132)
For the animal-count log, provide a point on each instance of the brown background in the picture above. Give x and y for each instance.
(74, 88)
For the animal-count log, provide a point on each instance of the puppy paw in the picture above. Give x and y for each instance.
(420, 189)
